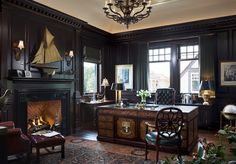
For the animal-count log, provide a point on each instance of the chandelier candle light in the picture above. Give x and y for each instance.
(127, 11)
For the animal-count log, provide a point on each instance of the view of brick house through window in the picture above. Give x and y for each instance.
(43, 115)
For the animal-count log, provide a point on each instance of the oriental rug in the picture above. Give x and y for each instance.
(80, 151)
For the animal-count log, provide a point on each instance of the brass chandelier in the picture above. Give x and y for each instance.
(127, 11)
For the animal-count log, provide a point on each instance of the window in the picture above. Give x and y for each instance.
(159, 68)
(189, 69)
(90, 77)
(174, 64)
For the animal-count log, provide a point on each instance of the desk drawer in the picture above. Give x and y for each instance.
(105, 118)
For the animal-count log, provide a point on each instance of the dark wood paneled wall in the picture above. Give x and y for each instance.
(217, 39)
(24, 19)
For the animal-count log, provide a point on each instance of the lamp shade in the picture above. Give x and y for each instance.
(105, 82)
(205, 85)
(117, 86)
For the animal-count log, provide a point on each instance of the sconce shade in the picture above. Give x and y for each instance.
(71, 53)
(18, 49)
(117, 86)
(105, 82)
(21, 44)
(68, 57)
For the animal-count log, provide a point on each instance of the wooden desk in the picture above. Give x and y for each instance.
(88, 113)
(204, 115)
(127, 125)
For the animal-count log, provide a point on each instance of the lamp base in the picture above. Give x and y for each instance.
(104, 98)
(205, 103)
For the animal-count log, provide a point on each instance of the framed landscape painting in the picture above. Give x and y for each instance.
(228, 73)
(124, 74)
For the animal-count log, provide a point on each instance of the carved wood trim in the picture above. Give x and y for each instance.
(46, 11)
(189, 28)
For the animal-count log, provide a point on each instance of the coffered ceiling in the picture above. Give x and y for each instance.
(164, 12)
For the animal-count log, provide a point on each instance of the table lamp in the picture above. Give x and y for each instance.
(105, 83)
(118, 87)
(205, 91)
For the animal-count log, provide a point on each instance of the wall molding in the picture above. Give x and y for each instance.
(46, 11)
(195, 28)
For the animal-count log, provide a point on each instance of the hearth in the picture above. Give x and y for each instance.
(43, 109)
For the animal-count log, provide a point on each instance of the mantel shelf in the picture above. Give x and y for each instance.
(17, 79)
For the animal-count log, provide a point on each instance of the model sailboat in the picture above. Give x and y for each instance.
(47, 53)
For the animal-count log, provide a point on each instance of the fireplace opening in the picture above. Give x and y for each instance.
(44, 115)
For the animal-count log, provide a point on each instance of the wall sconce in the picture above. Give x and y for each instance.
(68, 57)
(17, 49)
(118, 87)
(205, 90)
(105, 83)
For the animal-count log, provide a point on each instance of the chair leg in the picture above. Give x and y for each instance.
(146, 150)
(157, 153)
(62, 151)
(37, 153)
(28, 157)
(179, 151)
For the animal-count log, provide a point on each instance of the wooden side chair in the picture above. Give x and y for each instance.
(167, 130)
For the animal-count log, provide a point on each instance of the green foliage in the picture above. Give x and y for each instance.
(208, 153)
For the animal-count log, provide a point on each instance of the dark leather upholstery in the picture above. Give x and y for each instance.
(165, 96)
(16, 141)
(167, 130)
(43, 142)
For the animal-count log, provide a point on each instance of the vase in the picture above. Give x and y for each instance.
(143, 100)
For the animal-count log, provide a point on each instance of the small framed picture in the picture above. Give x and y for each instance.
(228, 73)
(124, 74)
(28, 74)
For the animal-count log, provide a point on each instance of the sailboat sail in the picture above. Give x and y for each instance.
(47, 53)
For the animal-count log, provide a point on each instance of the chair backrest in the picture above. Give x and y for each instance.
(165, 96)
(169, 122)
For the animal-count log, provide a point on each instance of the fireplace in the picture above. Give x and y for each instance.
(43, 115)
(40, 106)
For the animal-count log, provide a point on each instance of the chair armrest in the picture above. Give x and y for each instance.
(149, 125)
(8, 124)
(16, 132)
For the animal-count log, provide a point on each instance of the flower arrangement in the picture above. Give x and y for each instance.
(143, 94)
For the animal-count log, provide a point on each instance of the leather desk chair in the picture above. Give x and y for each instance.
(165, 96)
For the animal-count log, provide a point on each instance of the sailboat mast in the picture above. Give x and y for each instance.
(44, 46)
